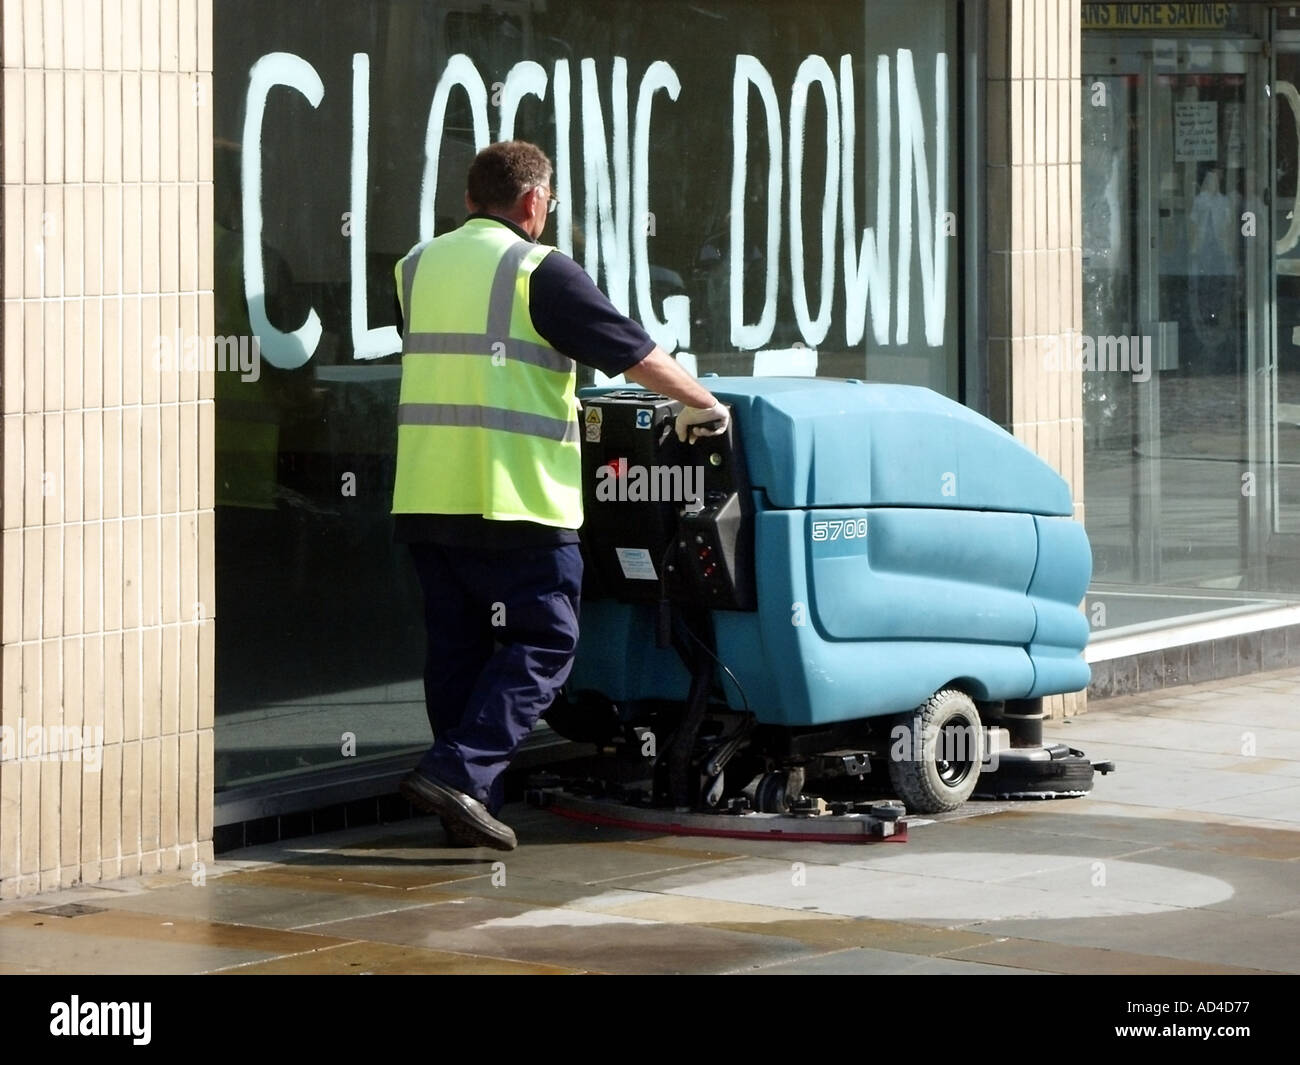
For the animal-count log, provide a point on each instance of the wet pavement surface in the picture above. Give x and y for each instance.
(1185, 860)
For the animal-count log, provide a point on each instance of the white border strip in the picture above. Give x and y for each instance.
(1105, 650)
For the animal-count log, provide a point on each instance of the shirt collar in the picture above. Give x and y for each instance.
(503, 221)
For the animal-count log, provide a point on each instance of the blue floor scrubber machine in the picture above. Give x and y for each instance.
(858, 589)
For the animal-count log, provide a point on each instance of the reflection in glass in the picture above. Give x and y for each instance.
(1182, 471)
(319, 634)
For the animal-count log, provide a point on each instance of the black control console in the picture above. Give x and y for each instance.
(663, 518)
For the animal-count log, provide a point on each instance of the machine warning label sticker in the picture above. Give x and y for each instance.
(644, 417)
(636, 563)
(593, 423)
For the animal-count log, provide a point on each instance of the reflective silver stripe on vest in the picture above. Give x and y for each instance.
(501, 303)
(466, 416)
(476, 344)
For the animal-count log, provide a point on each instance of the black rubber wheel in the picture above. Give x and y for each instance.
(935, 753)
(770, 795)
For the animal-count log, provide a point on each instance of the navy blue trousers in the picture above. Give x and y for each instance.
(502, 630)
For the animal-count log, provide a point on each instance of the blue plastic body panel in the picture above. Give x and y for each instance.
(816, 442)
(903, 544)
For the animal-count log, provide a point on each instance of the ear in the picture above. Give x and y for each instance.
(470, 205)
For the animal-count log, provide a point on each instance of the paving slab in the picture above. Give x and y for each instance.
(1263, 709)
(1210, 737)
(605, 863)
(1158, 876)
(43, 951)
(272, 905)
(1191, 935)
(590, 942)
(1278, 804)
(934, 899)
(1141, 824)
(1127, 755)
(387, 959)
(534, 892)
(961, 857)
(1165, 786)
(859, 961)
(1186, 860)
(1090, 961)
(116, 942)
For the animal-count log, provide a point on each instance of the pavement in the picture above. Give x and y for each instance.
(1185, 860)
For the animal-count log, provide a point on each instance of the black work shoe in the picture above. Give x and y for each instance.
(454, 838)
(464, 814)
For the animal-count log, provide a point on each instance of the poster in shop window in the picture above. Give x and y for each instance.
(1196, 131)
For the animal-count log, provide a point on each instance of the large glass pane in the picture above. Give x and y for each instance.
(769, 188)
(1181, 455)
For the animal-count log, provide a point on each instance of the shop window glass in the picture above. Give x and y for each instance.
(768, 188)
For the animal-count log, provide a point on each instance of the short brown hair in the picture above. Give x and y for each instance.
(503, 172)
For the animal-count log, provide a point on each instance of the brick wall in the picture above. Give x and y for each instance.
(106, 605)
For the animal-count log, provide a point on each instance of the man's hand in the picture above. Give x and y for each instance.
(694, 422)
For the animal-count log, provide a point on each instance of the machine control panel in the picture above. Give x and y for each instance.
(663, 518)
(715, 546)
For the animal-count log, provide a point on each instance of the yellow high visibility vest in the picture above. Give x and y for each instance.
(487, 419)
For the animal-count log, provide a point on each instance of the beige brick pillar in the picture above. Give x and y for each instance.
(1035, 236)
(106, 602)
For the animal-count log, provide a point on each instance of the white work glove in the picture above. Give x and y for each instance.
(692, 421)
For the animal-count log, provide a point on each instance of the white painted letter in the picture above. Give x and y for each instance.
(677, 328)
(813, 69)
(866, 270)
(526, 78)
(287, 351)
(460, 70)
(749, 71)
(563, 182)
(367, 343)
(607, 216)
(933, 249)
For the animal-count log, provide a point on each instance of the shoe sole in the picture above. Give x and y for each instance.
(464, 831)
(457, 838)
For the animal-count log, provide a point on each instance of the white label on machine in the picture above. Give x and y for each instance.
(636, 563)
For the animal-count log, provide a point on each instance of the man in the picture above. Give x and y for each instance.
(488, 492)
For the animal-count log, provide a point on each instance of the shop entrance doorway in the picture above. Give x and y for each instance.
(1185, 473)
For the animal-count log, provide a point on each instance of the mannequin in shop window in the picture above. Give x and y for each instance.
(1213, 250)
(1213, 268)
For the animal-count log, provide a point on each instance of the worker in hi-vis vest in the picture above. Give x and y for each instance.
(488, 492)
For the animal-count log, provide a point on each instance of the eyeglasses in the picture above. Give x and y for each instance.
(552, 204)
